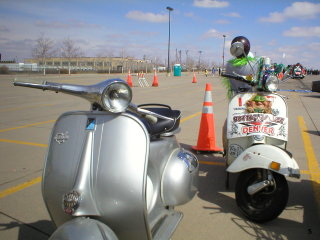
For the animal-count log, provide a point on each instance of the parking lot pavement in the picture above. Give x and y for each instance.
(27, 116)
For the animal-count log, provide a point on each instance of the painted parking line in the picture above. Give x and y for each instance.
(212, 163)
(24, 143)
(25, 126)
(19, 187)
(189, 117)
(311, 161)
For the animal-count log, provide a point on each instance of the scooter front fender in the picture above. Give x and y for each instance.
(82, 229)
(261, 156)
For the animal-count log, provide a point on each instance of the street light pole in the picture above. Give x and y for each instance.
(224, 42)
(168, 68)
(199, 66)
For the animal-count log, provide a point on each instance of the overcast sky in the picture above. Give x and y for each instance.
(287, 31)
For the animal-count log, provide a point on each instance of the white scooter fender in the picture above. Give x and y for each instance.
(267, 157)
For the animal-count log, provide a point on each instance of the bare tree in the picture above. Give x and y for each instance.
(70, 50)
(43, 49)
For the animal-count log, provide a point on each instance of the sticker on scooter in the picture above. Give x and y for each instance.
(258, 118)
(258, 129)
(189, 159)
(258, 104)
(61, 137)
(258, 123)
(91, 123)
(235, 150)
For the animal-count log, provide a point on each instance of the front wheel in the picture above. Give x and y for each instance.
(266, 204)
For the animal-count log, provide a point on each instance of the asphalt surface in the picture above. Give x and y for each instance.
(27, 116)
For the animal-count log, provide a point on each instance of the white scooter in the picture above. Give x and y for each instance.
(257, 135)
(116, 171)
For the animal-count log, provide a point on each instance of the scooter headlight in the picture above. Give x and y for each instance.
(116, 97)
(271, 83)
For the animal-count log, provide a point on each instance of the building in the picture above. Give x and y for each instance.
(19, 67)
(103, 64)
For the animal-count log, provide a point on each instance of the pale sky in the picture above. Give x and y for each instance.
(286, 31)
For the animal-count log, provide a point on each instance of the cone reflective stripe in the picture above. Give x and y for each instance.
(129, 79)
(207, 108)
(206, 138)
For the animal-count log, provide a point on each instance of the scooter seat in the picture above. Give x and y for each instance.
(163, 125)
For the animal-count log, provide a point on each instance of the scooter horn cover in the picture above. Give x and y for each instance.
(82, 229)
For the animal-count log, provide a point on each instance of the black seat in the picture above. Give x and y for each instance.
(162, 125)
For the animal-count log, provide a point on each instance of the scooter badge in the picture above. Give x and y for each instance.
(61, 137)
(71, 202)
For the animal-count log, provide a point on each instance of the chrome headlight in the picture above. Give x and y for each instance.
(116, 97)
(271, 83)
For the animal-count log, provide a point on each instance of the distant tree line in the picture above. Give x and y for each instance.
(45, 48)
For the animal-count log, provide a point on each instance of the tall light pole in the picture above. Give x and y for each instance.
(199, 60)
(168, 68)
(224, 43)
(187, 59)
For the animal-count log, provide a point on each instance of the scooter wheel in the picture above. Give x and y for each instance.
(265, 205)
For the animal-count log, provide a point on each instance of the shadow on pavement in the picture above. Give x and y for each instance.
(313, 132)
(39, 230)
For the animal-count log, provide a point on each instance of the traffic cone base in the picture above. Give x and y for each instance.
(206, 138)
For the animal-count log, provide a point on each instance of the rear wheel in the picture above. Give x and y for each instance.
(266, 204)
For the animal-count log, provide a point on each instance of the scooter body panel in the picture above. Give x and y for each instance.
(261, 156)
(104, 158)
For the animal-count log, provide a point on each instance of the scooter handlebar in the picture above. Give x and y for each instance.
(56, 87)
(43, 86)
(238, 78)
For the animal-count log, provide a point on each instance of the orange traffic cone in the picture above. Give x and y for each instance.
(206, 138)
(129, 79)
(194, 79)
(155, 79)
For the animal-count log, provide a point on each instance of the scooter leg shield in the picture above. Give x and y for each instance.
(82, 229)
(262, 156)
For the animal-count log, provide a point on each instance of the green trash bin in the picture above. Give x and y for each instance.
(177, 70)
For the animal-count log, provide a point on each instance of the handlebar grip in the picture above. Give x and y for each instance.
(238, 78)
(228, 75)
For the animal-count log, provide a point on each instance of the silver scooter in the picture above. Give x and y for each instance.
(257, 135)
(116, 171)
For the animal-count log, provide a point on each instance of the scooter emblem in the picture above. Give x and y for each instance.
(61, 137)
(71, 202)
